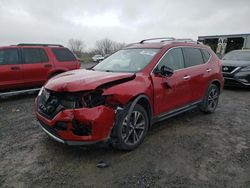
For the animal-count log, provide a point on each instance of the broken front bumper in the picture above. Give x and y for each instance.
(79, 126)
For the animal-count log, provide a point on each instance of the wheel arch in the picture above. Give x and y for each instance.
(217, 83)
(144, 101)
(127, 110)
(204, 105)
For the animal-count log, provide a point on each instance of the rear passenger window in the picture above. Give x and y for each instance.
(34, 55)
(206, 55)
(9, 56)
(172, 59)
(63, 54)
(192, 56)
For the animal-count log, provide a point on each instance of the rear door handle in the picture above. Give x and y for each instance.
(186, 77)
(208, 70)
(15, 68)
(47, 65)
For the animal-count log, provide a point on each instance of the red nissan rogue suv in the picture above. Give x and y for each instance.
(121, 97)
(31, 65)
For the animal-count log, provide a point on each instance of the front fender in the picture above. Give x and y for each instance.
(128, 91)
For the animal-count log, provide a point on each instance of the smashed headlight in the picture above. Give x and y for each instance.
(93, 99)
(49, 100)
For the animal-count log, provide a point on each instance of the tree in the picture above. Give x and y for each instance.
(117, 46)
(104, 46)
(77, 46)
(107, 46)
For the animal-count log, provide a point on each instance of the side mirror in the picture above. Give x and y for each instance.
(165, 71)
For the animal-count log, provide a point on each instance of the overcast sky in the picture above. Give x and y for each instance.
(56, 21)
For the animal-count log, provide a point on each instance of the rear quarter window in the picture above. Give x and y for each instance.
(192, 56)
(206, 55)
(63, 54)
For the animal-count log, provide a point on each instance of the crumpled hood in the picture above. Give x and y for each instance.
(235, 63)
(82, 80)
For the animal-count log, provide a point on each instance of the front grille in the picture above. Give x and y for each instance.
(225, 75)
(228, 69)
(50, 104)
(231, 82)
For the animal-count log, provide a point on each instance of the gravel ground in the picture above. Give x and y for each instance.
(189, 150)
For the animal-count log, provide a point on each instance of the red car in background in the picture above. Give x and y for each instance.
(31, 65)
(121, 97)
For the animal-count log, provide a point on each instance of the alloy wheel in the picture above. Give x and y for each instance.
(133, 131)
(213, 97)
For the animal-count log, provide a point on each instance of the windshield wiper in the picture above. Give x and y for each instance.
(91, 68)
(109, 71)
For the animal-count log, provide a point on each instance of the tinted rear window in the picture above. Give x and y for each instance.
(34, 55)
(9, 56)
(63, 54)
(192, 56)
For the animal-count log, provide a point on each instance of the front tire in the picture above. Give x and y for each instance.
(210, 102)
(128, 136)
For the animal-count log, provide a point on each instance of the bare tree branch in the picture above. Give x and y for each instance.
(77, 46)
(107, 46)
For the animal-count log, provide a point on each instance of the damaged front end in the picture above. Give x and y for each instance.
(77, 118)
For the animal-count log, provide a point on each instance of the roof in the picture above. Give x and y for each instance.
(37, 44)
(146, 43)
(33, 45)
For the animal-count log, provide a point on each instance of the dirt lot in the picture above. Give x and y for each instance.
(190, 150)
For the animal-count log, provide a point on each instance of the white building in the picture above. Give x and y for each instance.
(222, 44)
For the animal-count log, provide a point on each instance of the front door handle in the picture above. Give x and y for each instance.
(208, 70)
(186, 77)
(15, 68)
(47, 65)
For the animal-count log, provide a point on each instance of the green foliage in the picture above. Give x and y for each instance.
(86, 58)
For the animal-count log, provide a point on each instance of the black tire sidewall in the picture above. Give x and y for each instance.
(117, 134)
(205, 106)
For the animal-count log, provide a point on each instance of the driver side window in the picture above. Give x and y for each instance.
(172, 59)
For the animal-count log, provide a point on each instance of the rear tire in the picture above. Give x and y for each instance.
(126, 137)
(210, 102)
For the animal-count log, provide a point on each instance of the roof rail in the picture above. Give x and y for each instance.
(163, 39)
(35, 44)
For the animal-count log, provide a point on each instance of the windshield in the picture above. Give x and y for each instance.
(127, 60)
(238, 56)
